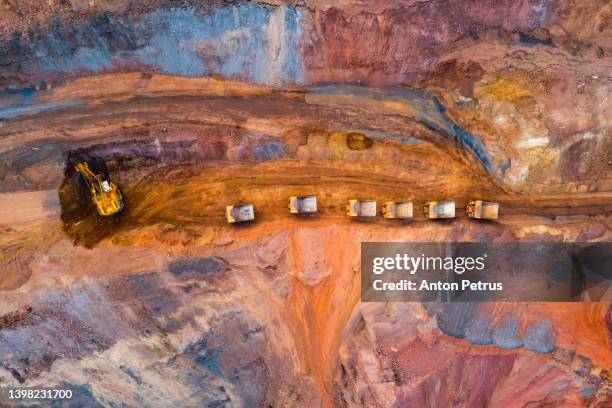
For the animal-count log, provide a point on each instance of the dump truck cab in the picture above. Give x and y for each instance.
(397, 209)
(104, 193)
(306, 204)
(361, 208)
(439, 209)
(239, 213)
(486, 210)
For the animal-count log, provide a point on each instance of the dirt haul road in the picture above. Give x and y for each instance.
(167, 289)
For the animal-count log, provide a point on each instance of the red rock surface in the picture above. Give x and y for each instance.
(166, 305)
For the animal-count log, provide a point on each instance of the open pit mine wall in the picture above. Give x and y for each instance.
(256, 317)
(535, 68)
(278, 43)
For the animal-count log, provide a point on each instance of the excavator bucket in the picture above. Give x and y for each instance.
(104, 193)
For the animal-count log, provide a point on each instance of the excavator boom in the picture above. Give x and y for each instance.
(104, 193)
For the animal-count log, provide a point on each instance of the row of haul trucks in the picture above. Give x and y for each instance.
(108, 200)
(478, 209)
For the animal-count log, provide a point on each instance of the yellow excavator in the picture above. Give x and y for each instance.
(104, 193)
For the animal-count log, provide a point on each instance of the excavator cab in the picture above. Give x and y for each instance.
(104, 193)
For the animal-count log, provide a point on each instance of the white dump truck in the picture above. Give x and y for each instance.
(239, 213)
(361, 208)
(439, 209)
(486, 210)
(303, 204)
(397, 209)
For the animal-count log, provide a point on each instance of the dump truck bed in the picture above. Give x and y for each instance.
(397, 209)
(303, 204)
(361, 208)
(483, 209)
(239, 213)
(440, 209)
